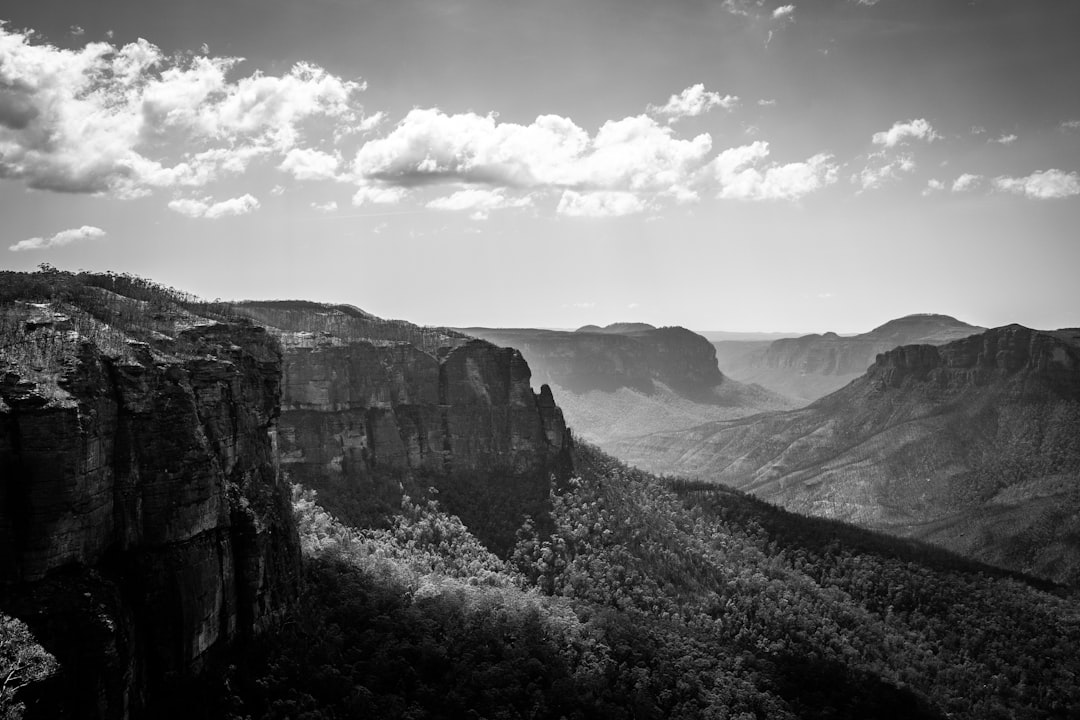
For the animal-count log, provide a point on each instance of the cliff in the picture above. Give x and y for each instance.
(365, 421)
(974, 445)
(631, 378)
(144, 527)
(808, 367)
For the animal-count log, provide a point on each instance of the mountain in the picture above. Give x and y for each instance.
(974, 445)
(623, 328)
(808, 367)
(631, 378)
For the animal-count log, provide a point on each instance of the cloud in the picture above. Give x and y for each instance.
(480, 202)
(600, 204)
(64, 237)
(1069, 125)
(1006, 139)
(873, 177)
(784, 11)
(310, 164)
(205, 208)
(326, 207)
(739, 178)
(918, 129)
(1043, 185)
(965, 182)
(766, 103)
(933, 185)
(379, 194)
(693, 101)
(128, 119)
(632, 154)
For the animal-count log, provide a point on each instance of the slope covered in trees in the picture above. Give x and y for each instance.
(653, 599)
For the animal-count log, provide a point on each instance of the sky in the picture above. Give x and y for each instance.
(734, 165)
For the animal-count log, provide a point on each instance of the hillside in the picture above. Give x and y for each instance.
(812, 366)
(630, 378)
(651, 600)
(974, 445)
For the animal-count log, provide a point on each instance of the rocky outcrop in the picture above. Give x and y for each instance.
(974, 445)
(1047, 359)
(367, 419)
(144, 526)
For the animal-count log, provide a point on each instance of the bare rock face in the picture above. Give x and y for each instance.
(143, 524)
(363, 418)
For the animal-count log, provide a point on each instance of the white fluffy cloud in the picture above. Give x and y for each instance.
(326, 207)
(900, 132)
(693, 101)
(933, 185)
(784, 11)
(965, 182)
(206, 208)
(310, 164)
(379, 194)
(479, 201)
(875, 175)
(741, 175)
(64, 237)
(1044, 185)
(1008, 139)
(126, 119)
(632, 154)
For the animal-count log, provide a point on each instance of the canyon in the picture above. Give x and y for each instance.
(972, 445)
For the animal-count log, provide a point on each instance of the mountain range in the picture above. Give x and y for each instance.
(811, 366)
(974, 445)
(293, 509)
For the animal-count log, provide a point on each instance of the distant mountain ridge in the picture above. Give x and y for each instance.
(808, 367)
(974, 445)
(630, 378)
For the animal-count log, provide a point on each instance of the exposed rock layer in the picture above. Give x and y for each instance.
(366, 416)
(630, 378)
(143, 526)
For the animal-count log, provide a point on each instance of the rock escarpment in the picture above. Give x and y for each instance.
(368, 420)
(630, 378)
(811, 366)
(974, 445)
(144, 526)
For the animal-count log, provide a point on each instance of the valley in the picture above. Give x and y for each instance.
(286, 508)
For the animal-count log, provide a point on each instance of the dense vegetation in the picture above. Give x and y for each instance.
(652, 600)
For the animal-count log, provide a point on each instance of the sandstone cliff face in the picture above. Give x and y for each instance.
(143, 524)
(361, 418)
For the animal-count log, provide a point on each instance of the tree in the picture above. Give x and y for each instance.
(22, 662)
